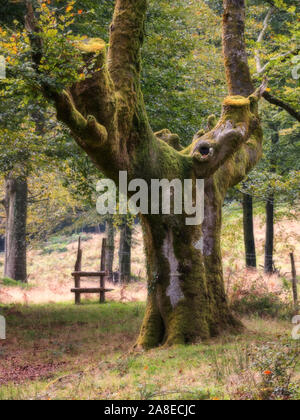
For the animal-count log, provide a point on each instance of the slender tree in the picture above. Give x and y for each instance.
(125, 252)
(107, 117)
(110, 247)
(15, 203)
(249, 238)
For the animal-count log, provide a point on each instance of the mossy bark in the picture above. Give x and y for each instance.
(186, 296)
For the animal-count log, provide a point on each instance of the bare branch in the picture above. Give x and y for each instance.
(259, 67)
(281, 104)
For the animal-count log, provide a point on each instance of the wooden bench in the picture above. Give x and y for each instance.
(78, 274)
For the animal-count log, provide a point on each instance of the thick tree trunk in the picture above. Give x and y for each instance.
(110, 252)
(15, 237)
(186, 296)
(125, 253)
(250, 250)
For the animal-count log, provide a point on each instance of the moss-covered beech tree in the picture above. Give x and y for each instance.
(106, 115)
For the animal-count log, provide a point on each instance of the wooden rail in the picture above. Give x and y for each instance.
(91, 274)
(78, 274)
(91, 290)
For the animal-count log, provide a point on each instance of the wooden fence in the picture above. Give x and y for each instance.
(79, 275)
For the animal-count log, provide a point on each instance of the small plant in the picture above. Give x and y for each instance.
(276, 363)
(271, 372)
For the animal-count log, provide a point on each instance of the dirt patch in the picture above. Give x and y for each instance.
(20, 373)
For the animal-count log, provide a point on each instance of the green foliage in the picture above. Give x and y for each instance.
(182, 84)
(8, 282)
(48, 250)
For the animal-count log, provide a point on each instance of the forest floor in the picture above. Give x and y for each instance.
(56, 350)
(60, 351)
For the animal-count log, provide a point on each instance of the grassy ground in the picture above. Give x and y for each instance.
(62, 351)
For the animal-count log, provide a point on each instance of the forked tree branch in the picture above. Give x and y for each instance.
(107, 107)
(239, 83)
(238, 126)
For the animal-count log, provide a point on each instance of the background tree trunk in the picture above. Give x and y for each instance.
(269, 246)
(16, 219)
(110, 252)
(270, 210)
(125, 253)
(249, 231)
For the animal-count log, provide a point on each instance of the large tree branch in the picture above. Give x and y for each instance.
(126, 39)
(234, 48)
(105, 112)
(248, 147)
(89, 107)
(124, 64)
(241, 163)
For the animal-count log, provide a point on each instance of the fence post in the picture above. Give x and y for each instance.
(103, 268)
(78, 268)
(294, 279)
